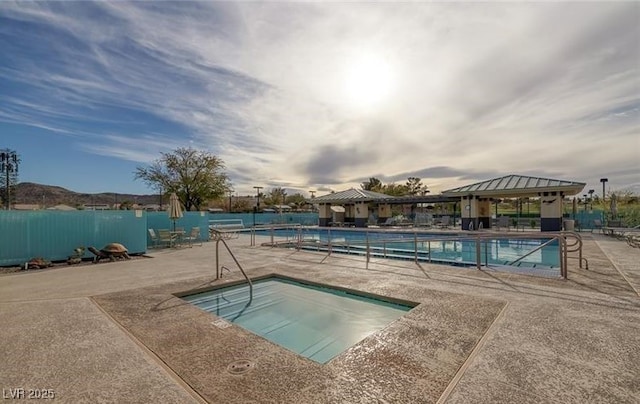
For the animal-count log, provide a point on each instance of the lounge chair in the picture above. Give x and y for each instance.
(389, 222)
(633, 240)
(222, 235)
(503, 222)
(445, 222)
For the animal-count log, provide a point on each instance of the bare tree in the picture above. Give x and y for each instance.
(195, 176)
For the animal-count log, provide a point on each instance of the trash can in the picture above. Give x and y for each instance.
(569, 225)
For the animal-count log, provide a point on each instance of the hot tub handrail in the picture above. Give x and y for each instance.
(218, 240)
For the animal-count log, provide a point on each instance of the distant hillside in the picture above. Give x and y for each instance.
(30, 193)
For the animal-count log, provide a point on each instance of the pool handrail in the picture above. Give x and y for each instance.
(561, 237)
(218, 271)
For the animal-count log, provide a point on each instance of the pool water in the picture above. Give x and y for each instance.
(499, 251)
(316, 322)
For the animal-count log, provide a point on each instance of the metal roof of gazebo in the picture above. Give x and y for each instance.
(517, 185)
(350, 196)
(360, 195)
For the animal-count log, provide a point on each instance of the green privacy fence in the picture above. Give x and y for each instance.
(54, 234)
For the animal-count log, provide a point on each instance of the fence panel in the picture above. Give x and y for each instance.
(54, 234)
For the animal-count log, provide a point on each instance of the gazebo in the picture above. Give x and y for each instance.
(356, 206)
(476, 198)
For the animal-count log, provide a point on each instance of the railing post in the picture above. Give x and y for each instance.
(368, 252)
(562, 253)
(217, 258)
(415, 246)
(429, 249)
(478, 255)
(486, 254)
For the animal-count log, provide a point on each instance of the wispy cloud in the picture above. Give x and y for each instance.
(478, 89)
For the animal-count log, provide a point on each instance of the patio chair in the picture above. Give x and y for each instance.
(597, 225)
(155, 240)
(166, 237)
(193, 236)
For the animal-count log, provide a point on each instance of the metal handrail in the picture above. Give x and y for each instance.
(479, 238)
(576, 247)
(218, 272)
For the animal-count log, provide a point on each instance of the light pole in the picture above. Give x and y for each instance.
(9, 162)
(257, 207)
(591, 191)
(604, 205)
(230, 195)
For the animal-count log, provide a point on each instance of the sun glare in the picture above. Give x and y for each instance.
(368, 81)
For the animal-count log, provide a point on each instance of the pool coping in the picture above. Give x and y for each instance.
(413, 359)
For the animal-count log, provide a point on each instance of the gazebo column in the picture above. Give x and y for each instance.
(551, 211)
(469, 207)
(484, 213)
(362, 214)
(349, 213)
(384, 212)
(324, 214)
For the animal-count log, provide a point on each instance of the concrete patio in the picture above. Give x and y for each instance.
(115, 332)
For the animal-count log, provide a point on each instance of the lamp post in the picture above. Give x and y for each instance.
(255, 208)
(230, 195)
(604, 205)
(9, 162)
(591, 191)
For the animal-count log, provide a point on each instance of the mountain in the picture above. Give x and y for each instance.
(30, 193)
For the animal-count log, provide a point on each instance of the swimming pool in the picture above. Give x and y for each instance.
(433, 247)
(316, 322)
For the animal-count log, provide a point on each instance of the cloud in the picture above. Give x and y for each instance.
(480, 90)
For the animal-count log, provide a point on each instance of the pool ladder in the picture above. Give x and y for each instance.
(219, 269)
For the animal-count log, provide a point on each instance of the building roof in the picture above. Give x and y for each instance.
(517, 185)
(350, 195)
(62, 207)
(26, 206)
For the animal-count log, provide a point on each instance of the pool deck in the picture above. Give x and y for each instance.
(115, 332)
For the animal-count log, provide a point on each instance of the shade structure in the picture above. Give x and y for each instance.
(175, 209)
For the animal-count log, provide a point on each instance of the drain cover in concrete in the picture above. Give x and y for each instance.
(221, 323)
(240, 366)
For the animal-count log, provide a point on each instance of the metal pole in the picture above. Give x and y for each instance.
(8, 192)
(478, 256)
(368, 251)
(217, 261)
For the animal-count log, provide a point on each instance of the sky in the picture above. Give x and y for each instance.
(322, 95)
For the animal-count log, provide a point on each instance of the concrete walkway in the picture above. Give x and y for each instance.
(95, 334)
